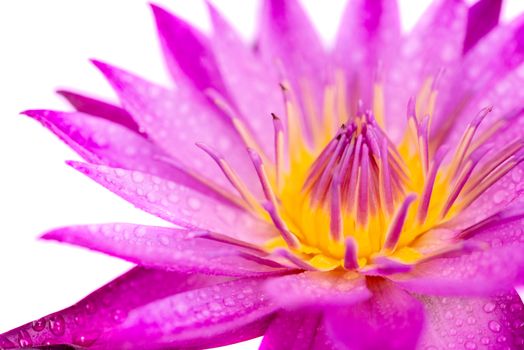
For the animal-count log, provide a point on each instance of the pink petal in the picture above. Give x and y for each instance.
(471, 85)
(100, 109)
(165, 248)
(103, 142)
(287, 37)
(390, 320)
(445, 23)
(482, 17)
(176, 120)
(368, 35)
(478, 273)
(186, 52)
(252, 84)
(155, 309)
(495, 322)
(178, 204)
(301, 330)
(317, 289)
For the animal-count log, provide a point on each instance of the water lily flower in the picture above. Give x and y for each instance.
(366, 197)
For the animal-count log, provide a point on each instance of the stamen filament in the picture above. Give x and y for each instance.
(232, 177)
(350, 255)
(397, 224)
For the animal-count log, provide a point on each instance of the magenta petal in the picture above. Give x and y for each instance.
(163, 114)
(178, 204)
(420, 58)
(100, 109)
(482, 17)
(165, 248)
(495, 322)
(152, 309)
(479, 273)
(368, 36)
(186, 52)
(103, 142)
(252, 83)
(390, 320)
(498, 230)
(317, 289)
(484, 77)
(288, 39)
(297, 331)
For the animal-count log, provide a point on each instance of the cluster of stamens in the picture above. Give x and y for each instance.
(346, 200)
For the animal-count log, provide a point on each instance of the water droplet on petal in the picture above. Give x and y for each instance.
(229, 302)
(85, 339)
(57, 325)
(39, 325)
(24, 339)
(194, 203)
(470, 345)
(118, 316)
(489, 307)
(494, 326)
(137, 177)
(499, 196)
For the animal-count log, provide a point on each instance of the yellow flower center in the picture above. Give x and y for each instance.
(343, 195)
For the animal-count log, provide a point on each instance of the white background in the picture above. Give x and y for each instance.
(45, 45)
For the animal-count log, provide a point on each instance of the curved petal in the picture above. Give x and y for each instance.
(478, 273)
(501, 229)
(252, 83)
(287, 37)
(187, 52)
(166, 248)
(471, 85)
(482, 17)
(368, 36)
(179, 204)
(299, 330)
(103, 142)
(317, 289)
(100, 109)
(495, 322)
(155, 309)
(176, 120)
(390, 320)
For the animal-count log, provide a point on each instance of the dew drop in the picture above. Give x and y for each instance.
(85, 339)
(173, 198)
(164, 240)
(499, 196)
(39, 325)
(229, 302)
(489, 307)
(137, 177)
(57, 325)
(484, 340)
(470, 345)
(118, 316)
(24, 339)
(194, 203)
(140, 231)
(90, 308)
(494, 326)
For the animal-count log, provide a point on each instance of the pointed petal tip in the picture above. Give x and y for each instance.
(38, 114)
